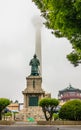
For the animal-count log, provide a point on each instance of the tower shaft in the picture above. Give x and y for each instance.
(38, 49)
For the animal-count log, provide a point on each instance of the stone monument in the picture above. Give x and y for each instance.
(33, 92)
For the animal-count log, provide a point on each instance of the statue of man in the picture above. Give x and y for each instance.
(34, 63)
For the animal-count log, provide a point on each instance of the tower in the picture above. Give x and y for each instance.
(33, 92)
(37, 22)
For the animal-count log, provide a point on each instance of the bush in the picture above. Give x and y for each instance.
(48, 106)
(8, 114)
(55, 116)
(71, 110)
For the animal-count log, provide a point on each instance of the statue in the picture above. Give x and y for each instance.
(34, 63)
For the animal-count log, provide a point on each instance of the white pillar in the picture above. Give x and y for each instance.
(38, 48)
(37, 22)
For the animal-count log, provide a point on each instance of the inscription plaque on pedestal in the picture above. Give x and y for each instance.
(33, 100)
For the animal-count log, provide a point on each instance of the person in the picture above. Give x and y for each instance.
(34, 63)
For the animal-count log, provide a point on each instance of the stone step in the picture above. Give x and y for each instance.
(18, 123)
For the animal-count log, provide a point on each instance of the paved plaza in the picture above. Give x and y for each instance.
(40, 127)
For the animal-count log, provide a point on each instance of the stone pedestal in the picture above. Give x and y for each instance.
(32, 94)
(33, 112)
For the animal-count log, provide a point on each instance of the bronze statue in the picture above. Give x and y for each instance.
(34, 63)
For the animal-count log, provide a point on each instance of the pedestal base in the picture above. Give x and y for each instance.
(31, 112)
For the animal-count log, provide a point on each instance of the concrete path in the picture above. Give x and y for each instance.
(40, 127)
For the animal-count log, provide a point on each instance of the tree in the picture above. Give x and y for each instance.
(71, 110)
(16, 101)
(64, 18)
(3, 103)
(48, 106)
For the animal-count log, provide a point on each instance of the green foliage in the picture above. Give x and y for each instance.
(48, 106)
(64, 18)
(71, 110)
(56, 116)
(8, 114)
(74, 58)
(3, 103)
(48, 102)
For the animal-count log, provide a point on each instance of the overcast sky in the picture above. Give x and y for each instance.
(17, 47)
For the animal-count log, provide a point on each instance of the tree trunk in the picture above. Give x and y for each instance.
(46, 116)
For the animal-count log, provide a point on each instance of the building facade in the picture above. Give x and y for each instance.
(69, 93)
(13, 107)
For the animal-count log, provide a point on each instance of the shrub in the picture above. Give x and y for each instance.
(71, 110)
(48, 106)
(55, 116)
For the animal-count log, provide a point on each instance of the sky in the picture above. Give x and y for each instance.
(17, 47)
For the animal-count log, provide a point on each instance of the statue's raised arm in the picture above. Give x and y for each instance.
(34, 63)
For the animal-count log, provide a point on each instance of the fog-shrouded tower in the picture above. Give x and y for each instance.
(37, 22)
(33, 91)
